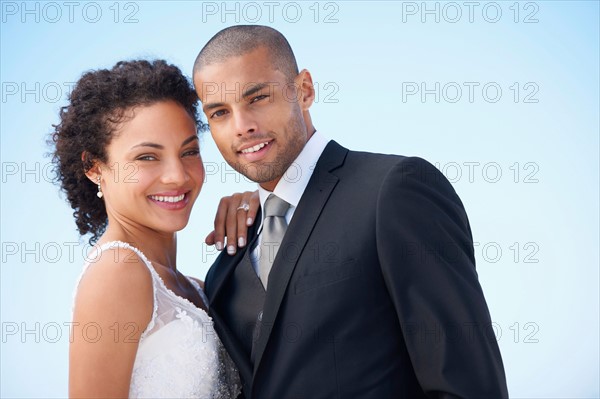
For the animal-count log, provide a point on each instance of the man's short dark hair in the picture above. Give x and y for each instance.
(242, 39)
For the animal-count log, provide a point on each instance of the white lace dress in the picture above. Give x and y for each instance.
(179, 354)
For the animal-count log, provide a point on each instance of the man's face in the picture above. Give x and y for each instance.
(256, 116)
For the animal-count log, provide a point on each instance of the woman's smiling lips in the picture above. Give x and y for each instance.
(171, 200)
(255, 151)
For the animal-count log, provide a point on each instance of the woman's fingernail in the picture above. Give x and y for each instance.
(230, 249)
(241, 242)
(219, 245)
(249, 221)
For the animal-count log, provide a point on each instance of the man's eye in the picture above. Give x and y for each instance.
(218, 113)
(258, 98)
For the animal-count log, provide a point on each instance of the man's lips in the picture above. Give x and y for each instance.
(254, 147)
(256, 151)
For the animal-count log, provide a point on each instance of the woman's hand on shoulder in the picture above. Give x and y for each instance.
(113, 306)
(234, 215)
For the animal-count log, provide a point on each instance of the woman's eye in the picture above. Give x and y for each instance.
(146, 158)
(192, 153)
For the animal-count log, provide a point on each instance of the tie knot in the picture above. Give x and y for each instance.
(275, 206)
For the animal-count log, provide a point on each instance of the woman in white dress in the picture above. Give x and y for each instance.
(128, 158)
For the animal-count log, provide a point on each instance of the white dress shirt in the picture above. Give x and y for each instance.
(292, 185)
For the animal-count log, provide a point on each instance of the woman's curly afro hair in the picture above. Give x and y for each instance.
(97, 104)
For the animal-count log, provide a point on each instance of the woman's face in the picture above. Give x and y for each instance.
(154, 171)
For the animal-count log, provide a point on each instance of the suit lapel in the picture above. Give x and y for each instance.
(315, 196)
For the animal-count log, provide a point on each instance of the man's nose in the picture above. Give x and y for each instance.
(245, 124)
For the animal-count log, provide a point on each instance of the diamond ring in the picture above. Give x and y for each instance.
(244, 206)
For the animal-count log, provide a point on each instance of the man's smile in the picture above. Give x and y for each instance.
(255, 151)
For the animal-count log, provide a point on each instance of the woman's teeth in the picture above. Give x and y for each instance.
(162, 198)
(254, 149)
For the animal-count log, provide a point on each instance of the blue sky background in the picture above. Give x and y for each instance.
(521, 150)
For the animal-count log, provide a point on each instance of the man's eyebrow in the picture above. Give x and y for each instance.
(209, 106)
(253, 89)
(250, 90)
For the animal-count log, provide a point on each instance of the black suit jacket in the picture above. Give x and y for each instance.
(373, 293)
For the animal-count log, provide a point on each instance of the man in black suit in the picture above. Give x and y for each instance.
(370, 291)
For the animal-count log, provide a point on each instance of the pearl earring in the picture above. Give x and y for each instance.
(99, 193)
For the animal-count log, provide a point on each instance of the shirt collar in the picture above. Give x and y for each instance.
(295, 179)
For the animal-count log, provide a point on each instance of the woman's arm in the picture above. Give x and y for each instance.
(113, 307)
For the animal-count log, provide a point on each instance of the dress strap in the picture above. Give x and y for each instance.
(94, 255)
(200, 290)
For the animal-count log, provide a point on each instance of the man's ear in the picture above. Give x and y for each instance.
(306, 88)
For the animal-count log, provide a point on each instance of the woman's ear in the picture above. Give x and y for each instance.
(94, 172)
(307, 89)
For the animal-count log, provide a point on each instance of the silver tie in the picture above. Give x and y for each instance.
(274, 227)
